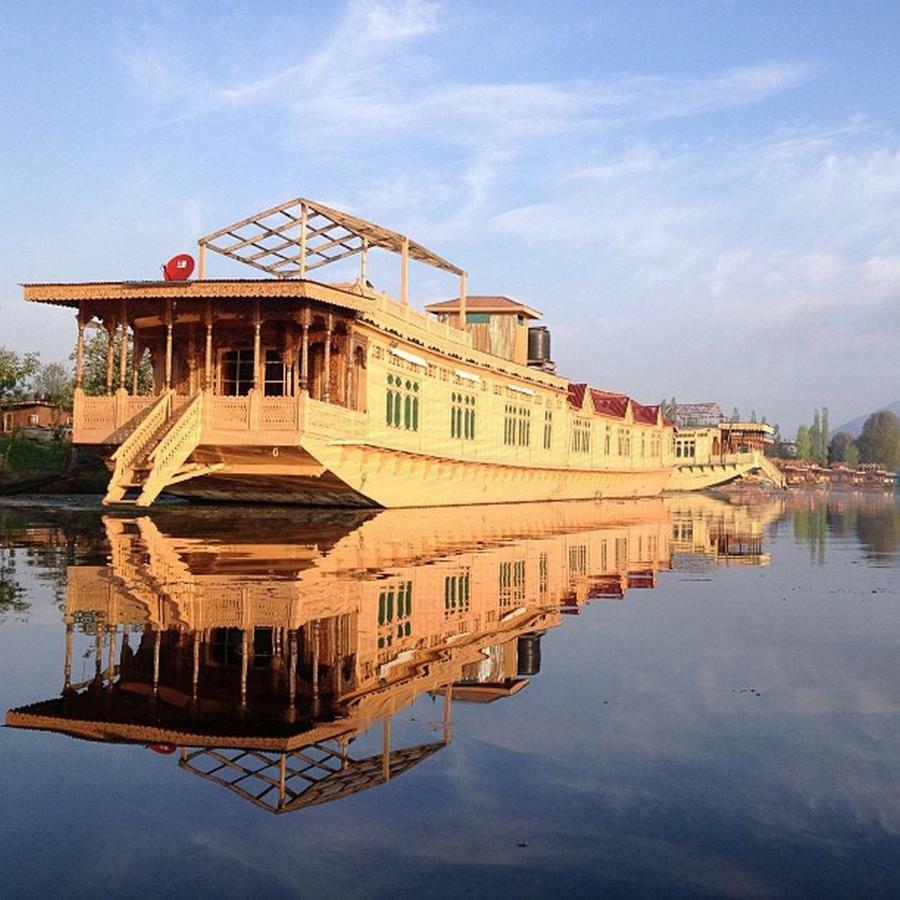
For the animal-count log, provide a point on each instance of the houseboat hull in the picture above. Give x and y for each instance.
(700, 476)
(327, 473)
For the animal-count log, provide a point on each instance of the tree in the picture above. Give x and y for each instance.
(823, 441)
(753, 415)
(851, 456)
(879, 441)
(837, 448)
(15, 371)
(54, 383)
(815, 438)
(802, 442)
(95, 348)
(735, 415)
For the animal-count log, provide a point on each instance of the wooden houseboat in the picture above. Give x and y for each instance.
(292, 390)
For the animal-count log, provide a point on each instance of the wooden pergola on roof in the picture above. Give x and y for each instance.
(292, 239)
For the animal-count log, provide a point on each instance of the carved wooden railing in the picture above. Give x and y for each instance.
(135, 445)
(109, 419)
(172, 451)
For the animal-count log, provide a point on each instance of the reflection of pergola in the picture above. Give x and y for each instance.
(294, 238)
(319, 773)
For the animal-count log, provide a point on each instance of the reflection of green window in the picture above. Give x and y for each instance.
(477, 318)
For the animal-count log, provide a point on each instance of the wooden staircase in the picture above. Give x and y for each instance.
(153, 456)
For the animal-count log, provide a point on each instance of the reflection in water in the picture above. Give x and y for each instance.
(874, 518)
(261, 647)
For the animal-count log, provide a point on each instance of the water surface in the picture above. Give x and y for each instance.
(681, 696)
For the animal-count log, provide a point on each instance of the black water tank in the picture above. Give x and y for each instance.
(529, 653)
(538, 345)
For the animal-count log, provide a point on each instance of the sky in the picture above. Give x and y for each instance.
(702, 196)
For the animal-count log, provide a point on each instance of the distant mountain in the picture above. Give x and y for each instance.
(855, 426)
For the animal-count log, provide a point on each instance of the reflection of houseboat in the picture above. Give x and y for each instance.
(293, 390)
(269, 646)
(710, 450)
(710, 532)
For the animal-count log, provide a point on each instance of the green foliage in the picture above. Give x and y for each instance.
(735, 415)
(838, 447)
(31, 457)
(879, 441)
(54, 383)
(823, 441)
(803, 445)
(815, 438)
(851, 456)
(95, 350)
(15, 371)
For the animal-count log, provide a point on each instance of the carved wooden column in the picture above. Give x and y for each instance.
(169, 326)
(304, 351)
(136, 353)
(207, 367)
(67, 670)
(110, 325)
(257, 346)
(195, 674)
(157, 638)
(329, 329)
(123, 345)
(79, 351)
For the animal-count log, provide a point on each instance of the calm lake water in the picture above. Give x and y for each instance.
(666, 697)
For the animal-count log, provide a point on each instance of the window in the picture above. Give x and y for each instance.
(462, 415)
(33, 419)
(401, 405)
(548, 429)
(512, 583)
(517, 426)
(237, 372)
(581, 436)
(456, 594)
(477, 318)
(274, 379)
(394, 605)
(624, 441)
(607, 440)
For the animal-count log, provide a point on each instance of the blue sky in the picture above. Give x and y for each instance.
(702, 197)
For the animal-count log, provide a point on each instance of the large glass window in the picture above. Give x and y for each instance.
(237, 372)
(275, 381)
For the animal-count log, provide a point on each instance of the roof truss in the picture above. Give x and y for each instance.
(292, 239)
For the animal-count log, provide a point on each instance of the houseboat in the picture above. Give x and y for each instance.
(711, 451)
(288, 389)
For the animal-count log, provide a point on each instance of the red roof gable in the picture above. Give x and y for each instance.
(576, 395)
(614, 405)
(645, 414)
(607, 403)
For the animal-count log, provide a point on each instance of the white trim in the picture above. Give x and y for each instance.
(467, 376)
(409, 357)
(521, 390)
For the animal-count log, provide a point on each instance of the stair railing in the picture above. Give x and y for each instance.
(130, 450)
(174, 448)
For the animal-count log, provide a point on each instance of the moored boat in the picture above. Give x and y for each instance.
(289, 389)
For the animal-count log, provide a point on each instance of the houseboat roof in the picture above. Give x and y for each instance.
(300, 235)
(73, 293)
(485, 303)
